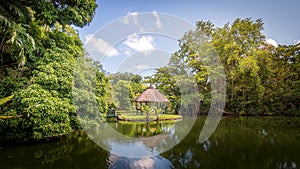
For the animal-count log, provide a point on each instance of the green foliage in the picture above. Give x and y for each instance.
(16, 42)
(89, 93)
(43, 87)
(79, 13)
(281, 78)
(124, 95)
(260, 78)
(137, 88)
(165, 80)
(238, 47)
(25, 25)
(146, 109)
(125, 87)
(12, 80)
(43, 113)
(115, 78)
(55, 72)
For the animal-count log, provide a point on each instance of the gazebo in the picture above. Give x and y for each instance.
(151, 97)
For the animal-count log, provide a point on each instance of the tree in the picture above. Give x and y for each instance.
(282, 80)
(42, 105)
(125, 88)
(125, 76)
(260, 78)
(65, 12)
(238, 46)
(124, 95)
(19, 21)
(164, 80)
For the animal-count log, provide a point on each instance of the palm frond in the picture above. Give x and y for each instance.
(22, 58)
(4, 21)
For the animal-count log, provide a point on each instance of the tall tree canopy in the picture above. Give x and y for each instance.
(19, 19)
(39, 50)
(261, 78)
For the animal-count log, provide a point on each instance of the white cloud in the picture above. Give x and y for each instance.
(272, 42)
(139, 43)
(131, 17)
(101, 46)
(127, 51)
(145, 162)
(157, 22)
(141, 67)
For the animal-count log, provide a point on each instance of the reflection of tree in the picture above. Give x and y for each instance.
(240, 143)
(255, 142)
(141, 129)
(74, 151)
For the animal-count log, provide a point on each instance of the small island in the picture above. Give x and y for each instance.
(151, 105)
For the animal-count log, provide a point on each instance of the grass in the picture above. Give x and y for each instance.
(151, 122)
(162, 117)
(111, 119)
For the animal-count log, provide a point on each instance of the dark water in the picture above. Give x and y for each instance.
(251, 142)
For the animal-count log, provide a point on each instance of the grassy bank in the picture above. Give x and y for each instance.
(162, 117)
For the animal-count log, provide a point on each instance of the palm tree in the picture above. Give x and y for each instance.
(14, 39)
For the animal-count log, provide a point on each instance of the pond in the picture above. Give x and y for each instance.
(244, 142)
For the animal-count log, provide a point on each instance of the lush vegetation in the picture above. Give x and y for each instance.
(39, 52)
(125, 87)
(260, 78)
(49, 87)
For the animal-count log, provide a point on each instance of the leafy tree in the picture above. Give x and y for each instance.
(238, 47)
(282, 81)
(89, 93)
(43, 87)
(66, 12)
(19, 21)
(260, 78)
(164, 80)
(125, 76)
(43, 114)
(124, 95)
(137, 88)
(125, 88)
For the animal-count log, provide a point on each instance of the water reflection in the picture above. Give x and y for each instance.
(130, 139)
(247, 143)
(75, 151)
(115, 161)
(143, 129)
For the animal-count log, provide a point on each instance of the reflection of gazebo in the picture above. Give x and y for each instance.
(151, 97)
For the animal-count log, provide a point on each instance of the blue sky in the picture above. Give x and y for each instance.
(281, 22)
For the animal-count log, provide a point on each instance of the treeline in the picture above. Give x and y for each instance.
(260, 78)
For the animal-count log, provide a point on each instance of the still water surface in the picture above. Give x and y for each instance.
(245, 142)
